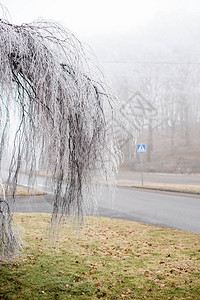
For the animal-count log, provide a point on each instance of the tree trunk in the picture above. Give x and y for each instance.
(150, 141)
(172, 136)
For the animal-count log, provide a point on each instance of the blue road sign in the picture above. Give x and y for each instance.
(141, 148)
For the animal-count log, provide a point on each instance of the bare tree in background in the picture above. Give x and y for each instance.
(63, 109)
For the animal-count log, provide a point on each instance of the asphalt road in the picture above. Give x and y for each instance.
(42, 183)
(169, 210)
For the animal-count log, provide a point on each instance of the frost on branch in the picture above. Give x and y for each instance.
(64, 114)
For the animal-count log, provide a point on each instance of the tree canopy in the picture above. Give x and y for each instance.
(64, 114)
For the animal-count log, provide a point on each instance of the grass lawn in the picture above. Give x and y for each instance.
(22, 191)
(191, 189)
(182, 188)
(110, 259)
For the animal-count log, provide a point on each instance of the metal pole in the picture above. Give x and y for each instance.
(141, 167)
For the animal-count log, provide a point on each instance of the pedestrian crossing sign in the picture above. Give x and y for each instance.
(141, 148)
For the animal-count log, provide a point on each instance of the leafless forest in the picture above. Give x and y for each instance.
(156, 71)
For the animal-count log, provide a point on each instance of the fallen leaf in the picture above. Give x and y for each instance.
(85, 273)
(97, 284)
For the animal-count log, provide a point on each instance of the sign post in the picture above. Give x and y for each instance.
(141, 148)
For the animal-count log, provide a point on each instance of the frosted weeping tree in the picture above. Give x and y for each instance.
(64, 120)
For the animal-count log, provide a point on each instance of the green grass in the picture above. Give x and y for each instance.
(113, 259)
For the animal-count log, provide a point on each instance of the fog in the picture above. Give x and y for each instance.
(155, 69)
(150, 54)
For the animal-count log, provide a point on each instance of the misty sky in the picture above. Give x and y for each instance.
(85, 17)
(123, 30)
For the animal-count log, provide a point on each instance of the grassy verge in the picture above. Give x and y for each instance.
(23, 191)
(191, 189)
(113, 259)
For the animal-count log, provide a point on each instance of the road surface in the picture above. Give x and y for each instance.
(176, 211)
(170, 210)
(43, 183)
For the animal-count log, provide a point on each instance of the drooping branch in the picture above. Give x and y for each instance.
(63, 113)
